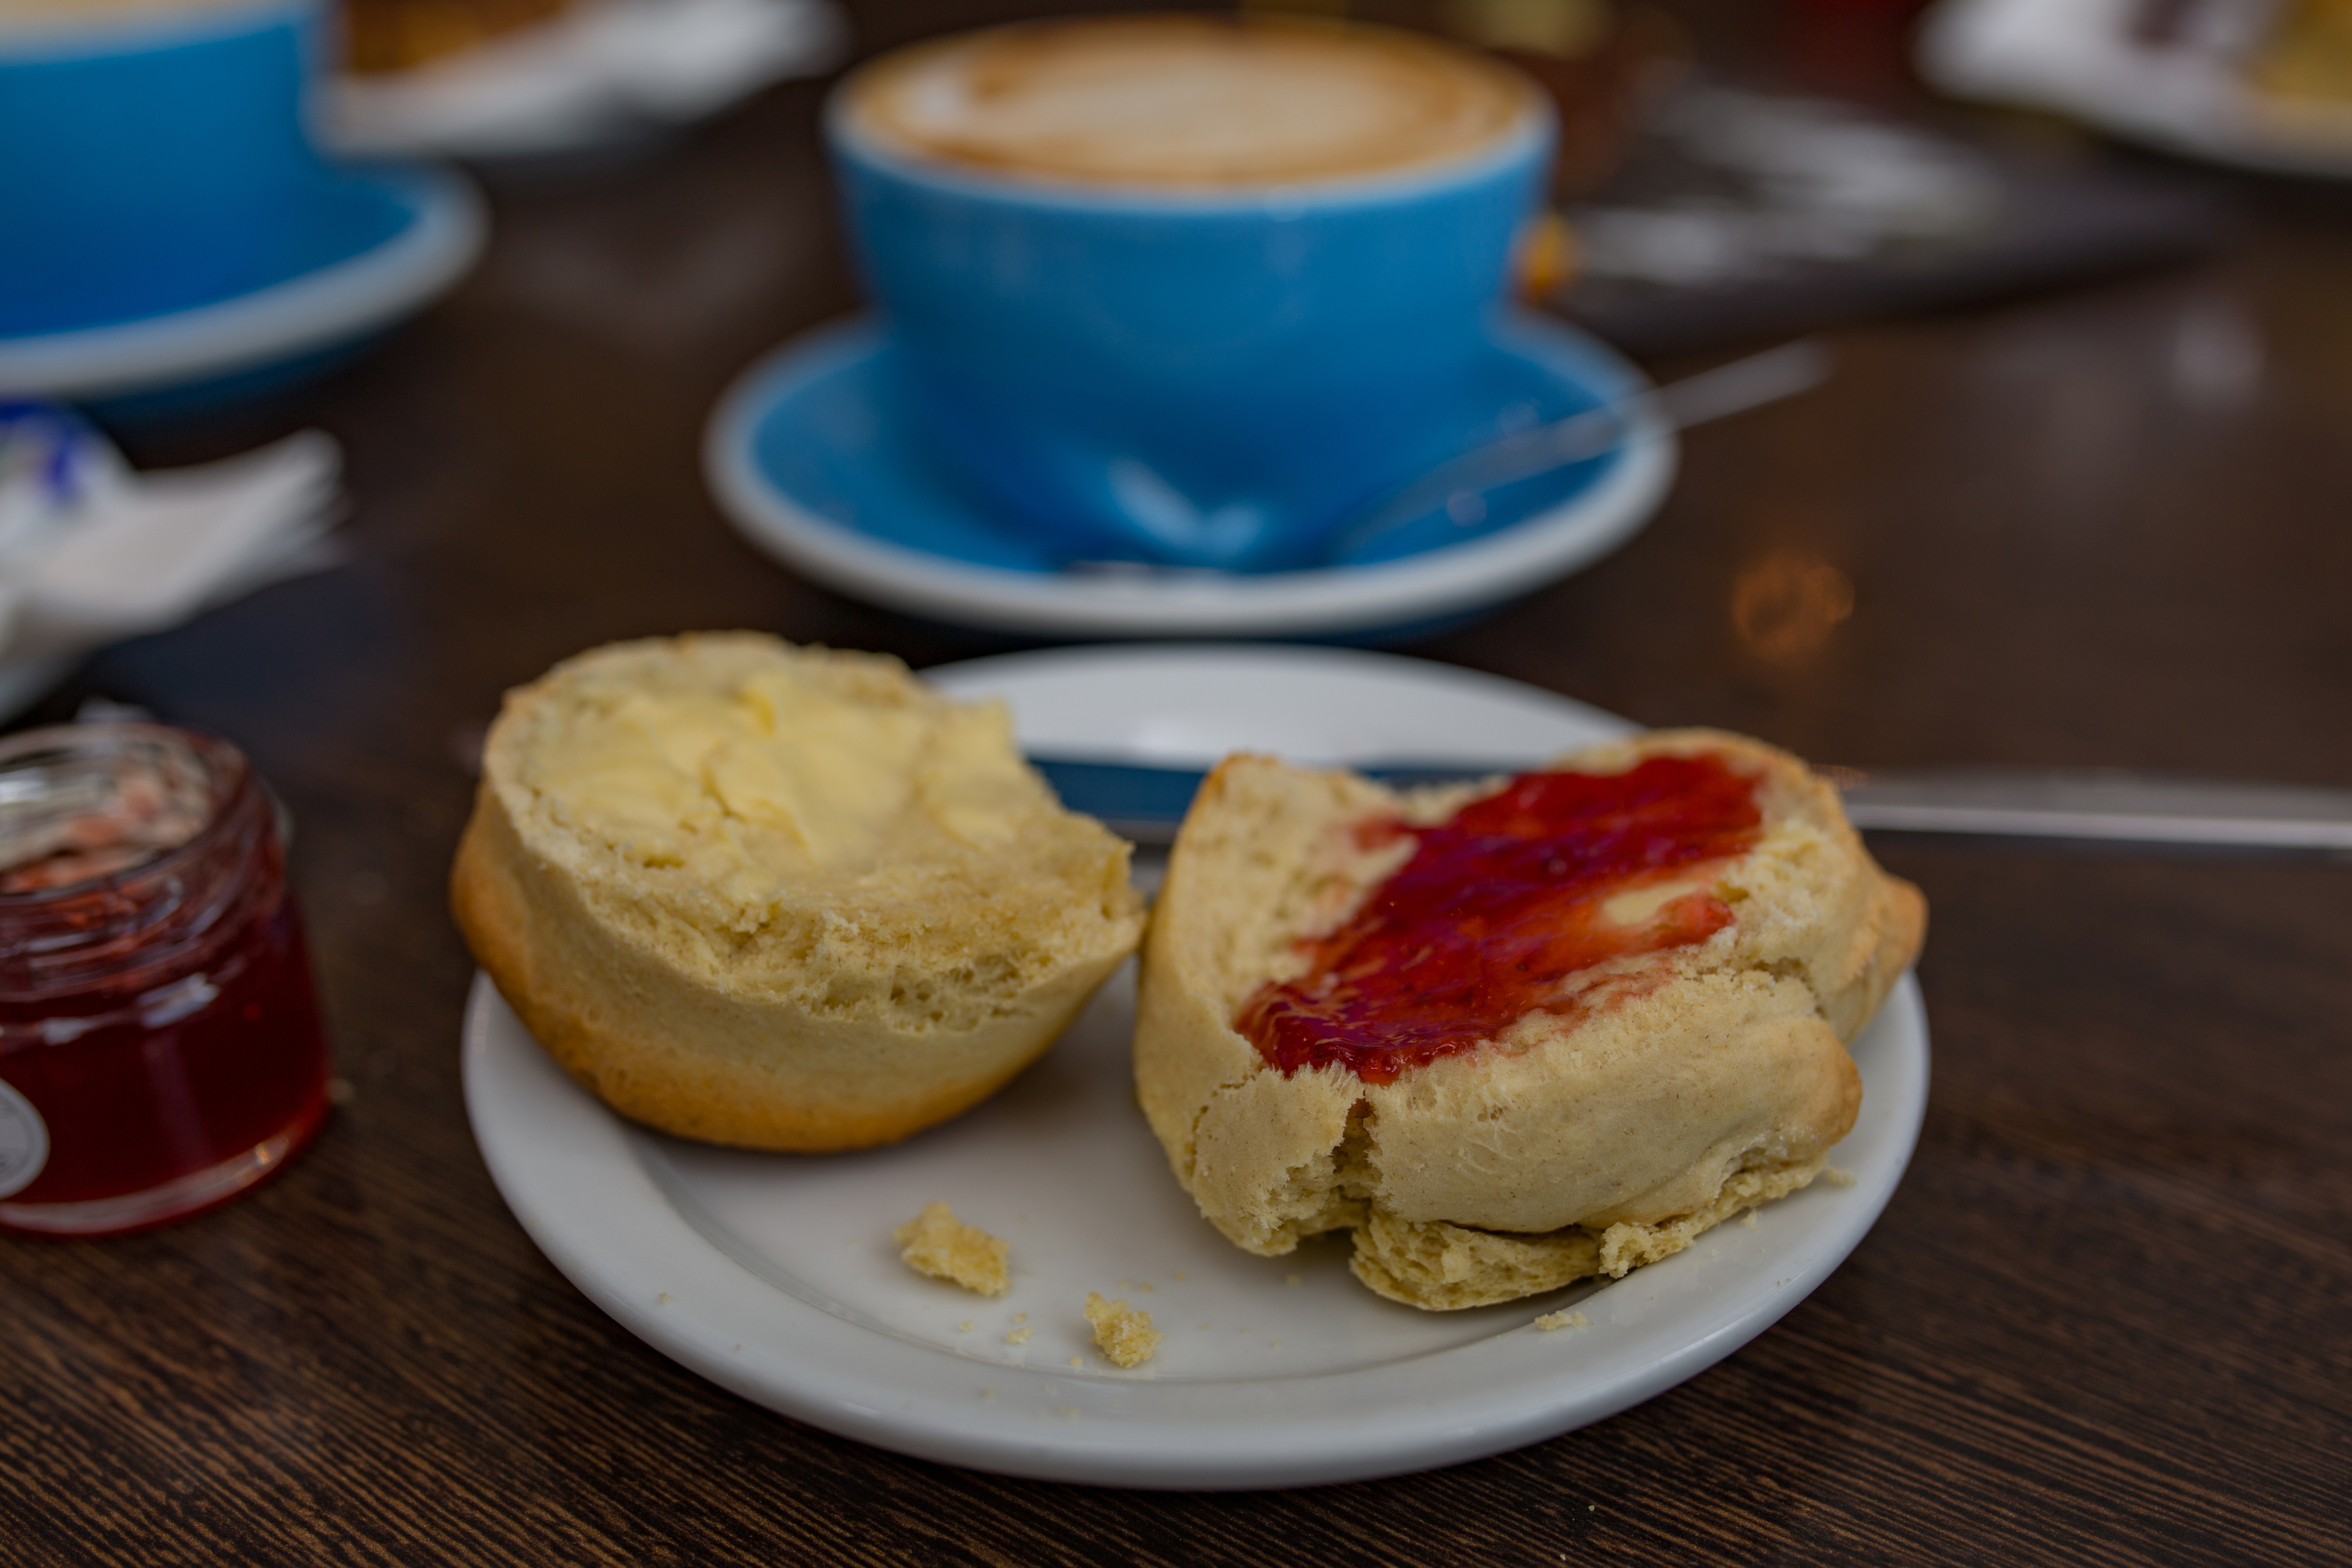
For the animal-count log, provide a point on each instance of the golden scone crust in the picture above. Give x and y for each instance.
(703, 980)
(1568, 1145)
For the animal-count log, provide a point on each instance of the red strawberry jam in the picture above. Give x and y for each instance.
(160, 1050)
(1501, 903)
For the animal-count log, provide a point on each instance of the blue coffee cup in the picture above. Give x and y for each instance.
(1199, 378)
(152, 159)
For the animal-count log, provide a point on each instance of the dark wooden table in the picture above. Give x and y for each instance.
(2107, 1317)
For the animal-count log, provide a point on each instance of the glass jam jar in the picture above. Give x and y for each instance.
(159, 1047)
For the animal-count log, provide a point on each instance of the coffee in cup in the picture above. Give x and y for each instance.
(18, 16)
(1183, 289)
(1190, 103)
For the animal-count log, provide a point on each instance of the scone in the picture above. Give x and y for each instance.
(1517, 1033)
(781, 897)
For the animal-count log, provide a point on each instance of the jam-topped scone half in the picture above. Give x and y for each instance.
(1515, 1033)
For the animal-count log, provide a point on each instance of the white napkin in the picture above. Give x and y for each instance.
(92, 551)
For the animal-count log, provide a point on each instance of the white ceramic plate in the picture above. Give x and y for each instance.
(775, 1275)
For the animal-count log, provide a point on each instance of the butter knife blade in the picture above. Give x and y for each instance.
(2111, 807)
(1146, 802)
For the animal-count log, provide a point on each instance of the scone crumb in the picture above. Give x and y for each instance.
(1294, 1279)
(1124, 1333)
(1837, 1176)
(938, 1244)
(1077, 1361)
(1748, 1220)
(965, 1327)
(1550, 1322)
(1018, 1336)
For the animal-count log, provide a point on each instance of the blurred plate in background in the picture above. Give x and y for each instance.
(2247, 85)
(586, 76)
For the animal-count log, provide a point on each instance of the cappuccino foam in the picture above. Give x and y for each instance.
(1185, 101)
(50, 15)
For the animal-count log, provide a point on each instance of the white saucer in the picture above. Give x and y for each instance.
(443, 228)
(806, 454)
(775, 1276)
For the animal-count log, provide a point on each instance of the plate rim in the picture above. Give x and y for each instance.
(967, 679)
(574, 1191)
(1453, 580)
(446, 228)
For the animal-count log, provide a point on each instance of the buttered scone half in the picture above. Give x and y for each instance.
(781, 897)
(1517, 1033)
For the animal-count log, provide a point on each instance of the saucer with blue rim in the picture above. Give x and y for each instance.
(369, 246)
(809, 457)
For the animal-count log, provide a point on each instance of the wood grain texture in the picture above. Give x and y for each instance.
(2103, 1322)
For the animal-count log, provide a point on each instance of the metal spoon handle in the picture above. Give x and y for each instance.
(1715, 393)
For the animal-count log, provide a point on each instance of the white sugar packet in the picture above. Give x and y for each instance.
(92, 550)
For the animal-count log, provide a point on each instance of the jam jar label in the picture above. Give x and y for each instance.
(24, 1141)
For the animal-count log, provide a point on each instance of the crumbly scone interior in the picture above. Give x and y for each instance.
(708, 806)
(1566, 1146)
